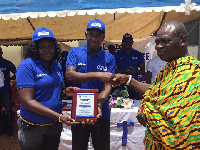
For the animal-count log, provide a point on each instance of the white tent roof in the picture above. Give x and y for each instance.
(141, 22)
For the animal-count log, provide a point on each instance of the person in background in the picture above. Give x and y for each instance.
(91, 67)
(153, 68)
(170, 107)
(111, 49)
(127, 61)
(39, 83)
(6, 67)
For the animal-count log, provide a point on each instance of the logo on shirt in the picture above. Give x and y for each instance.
(1, 79)
(134, 57)
(42, 74)
(102, 68)
(59, 73)
(81, 64)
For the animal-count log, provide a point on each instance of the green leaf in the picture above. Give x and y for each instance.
(116, 94)
(115, 105)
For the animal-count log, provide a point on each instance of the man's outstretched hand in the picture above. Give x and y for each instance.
(119, 79)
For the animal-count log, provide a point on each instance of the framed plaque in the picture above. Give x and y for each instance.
(85, 104)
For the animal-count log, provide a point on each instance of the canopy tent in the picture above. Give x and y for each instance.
(68, 19)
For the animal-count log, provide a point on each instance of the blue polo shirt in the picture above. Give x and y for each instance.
(32, 73)
(134, 59)
(5, 67)
(84, 61)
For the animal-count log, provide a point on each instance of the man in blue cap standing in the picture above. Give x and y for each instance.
(91, 67)
(131, 62)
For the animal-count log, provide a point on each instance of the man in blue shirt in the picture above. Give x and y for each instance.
(91, 67)
(128, 60)
(6, 67)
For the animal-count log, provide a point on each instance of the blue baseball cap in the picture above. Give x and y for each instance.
(127, 36)
(96, 24)
(42, 33)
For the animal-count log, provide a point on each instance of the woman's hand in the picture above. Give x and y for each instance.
(68, 121)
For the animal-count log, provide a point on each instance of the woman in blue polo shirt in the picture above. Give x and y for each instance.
(39, 83)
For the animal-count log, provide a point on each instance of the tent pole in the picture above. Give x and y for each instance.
(163, 18)
(30, 23)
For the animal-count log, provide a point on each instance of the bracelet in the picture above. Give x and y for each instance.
(59, 118)
(129, 80)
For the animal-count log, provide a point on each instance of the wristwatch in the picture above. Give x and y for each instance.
(129, 80)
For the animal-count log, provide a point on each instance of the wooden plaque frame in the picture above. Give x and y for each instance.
(74, 104)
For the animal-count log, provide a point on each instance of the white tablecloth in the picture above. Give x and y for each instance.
(135, 133)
